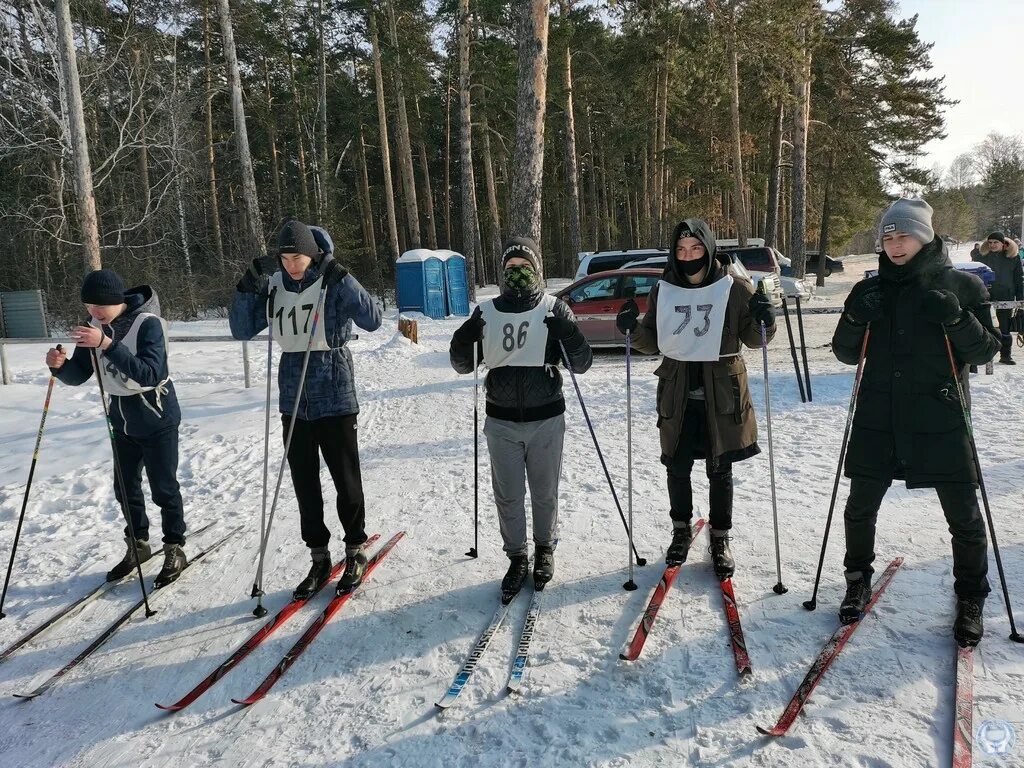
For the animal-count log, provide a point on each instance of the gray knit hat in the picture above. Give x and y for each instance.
(911, 215)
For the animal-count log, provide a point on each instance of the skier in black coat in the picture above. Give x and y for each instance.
(909, 423)
(1001, 255)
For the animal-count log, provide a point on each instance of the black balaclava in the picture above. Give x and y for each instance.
(675, 270)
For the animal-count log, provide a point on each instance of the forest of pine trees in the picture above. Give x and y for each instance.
(169, 139)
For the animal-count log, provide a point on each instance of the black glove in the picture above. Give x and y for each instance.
(257, 276)
(470, 331)
(864, 304)
(333, 272)
(626, 321)
(760, 308)
(939, 306)
(559, 327)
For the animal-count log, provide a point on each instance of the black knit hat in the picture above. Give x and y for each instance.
(296, 237)
(104, 287)
(996, 236)
(521, 248)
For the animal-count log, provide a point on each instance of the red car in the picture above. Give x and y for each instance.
(596, 299)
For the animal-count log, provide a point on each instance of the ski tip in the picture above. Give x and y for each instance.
(770, 732)
(746, 674)
(627, 657)
(244, 702)
(27, 696)
(170, 707)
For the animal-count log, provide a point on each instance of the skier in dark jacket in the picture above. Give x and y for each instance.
(326, 421)
(704, 406)
(130, 340)
(909, 423)
(517, 336)
(1001, 255)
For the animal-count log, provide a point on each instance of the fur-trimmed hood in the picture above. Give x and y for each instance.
(1011, 248)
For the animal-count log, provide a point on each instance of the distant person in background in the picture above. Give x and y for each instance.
(975, 252)
(1000, 254)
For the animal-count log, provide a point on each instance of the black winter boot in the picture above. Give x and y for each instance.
(518, 567)
(858, 595)
(139, 549)
(721, 556)
(355, 567)
(679, 547)
(543, 566)
(318, 574)
(969, 628)
(174, 563)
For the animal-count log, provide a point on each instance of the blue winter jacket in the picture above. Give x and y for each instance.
(330, 388)
(129, 415)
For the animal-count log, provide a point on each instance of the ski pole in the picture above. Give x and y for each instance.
(257, 586)
(1014, 634)
(600, 456)
(259, 610)
(120, 477)
(28, 488)
(476, 455)
(792, 350)
(803, 347)
(779, 588)
(630, 585)
(811, 604)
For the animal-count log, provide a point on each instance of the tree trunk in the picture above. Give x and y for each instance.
(799, 200)
(405, 165)
(370, 262)
(771, 229)
(211, 156)
(492, 199)
(826, 215)
(469, 235)
(662, 164)
(571, 175)
(528, 168)
(385, 151)
(594, 217)
(84, 197)
(296, 118)
(448, 164)
(323, 176)
(739, 208)
(176, 150)
(428, 191)
(254, 242)
(275, 161)
(142, 163)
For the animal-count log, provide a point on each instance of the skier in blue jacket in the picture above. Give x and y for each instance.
(326, 420)
(130, 340)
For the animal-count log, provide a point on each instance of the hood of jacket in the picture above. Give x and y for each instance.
(1011, 250)
(717, 263)
(140, 299)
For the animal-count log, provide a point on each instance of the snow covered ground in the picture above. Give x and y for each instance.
(363, 693)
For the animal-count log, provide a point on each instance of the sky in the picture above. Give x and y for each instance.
(979, 48)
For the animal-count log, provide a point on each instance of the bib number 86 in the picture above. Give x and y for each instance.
(510, 339)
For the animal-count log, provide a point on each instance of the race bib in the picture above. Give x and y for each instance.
(293, 317)
(691, 320)
(515, 338)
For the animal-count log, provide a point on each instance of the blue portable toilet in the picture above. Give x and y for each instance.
(420, 283)
(456, 282)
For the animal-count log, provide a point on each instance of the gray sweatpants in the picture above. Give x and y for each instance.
(520, 451)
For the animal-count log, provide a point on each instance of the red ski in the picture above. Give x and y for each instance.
(732, 615)
(825, 658)
(647, 622)
(963, 718)
(253, 642)
(314, 629)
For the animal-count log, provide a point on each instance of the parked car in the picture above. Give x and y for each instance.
(831, 265)
(762, 260)
(596, 299)
(974, 267)
(603, 261)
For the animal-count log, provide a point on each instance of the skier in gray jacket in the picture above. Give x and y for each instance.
(517, 336)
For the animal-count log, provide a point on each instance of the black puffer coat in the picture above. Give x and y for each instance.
(909, 423)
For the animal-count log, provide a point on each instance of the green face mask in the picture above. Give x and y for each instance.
(521, 279)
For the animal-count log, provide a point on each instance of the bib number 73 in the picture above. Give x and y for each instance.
(686, 310)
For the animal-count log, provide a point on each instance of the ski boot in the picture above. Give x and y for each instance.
(318, 574)
(514, 577)
(858, 595)
(174, 563)
(355, 567)
(543, 566)
(679, 548)
(721, 556)
(137, 551)
(969, 628)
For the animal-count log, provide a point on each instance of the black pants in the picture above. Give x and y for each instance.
(159, 455)
(694, 443)
(337, 438)
(1003, 317)
(960, 505)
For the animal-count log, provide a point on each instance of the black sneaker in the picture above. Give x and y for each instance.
(721, 557)
(174, 563)
(679, 547)
(518, 567)
(1007, 360)
(858, 595)
(969, 628)
(318, 574)
(355, 567)
(543, 566)
(138, 550)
